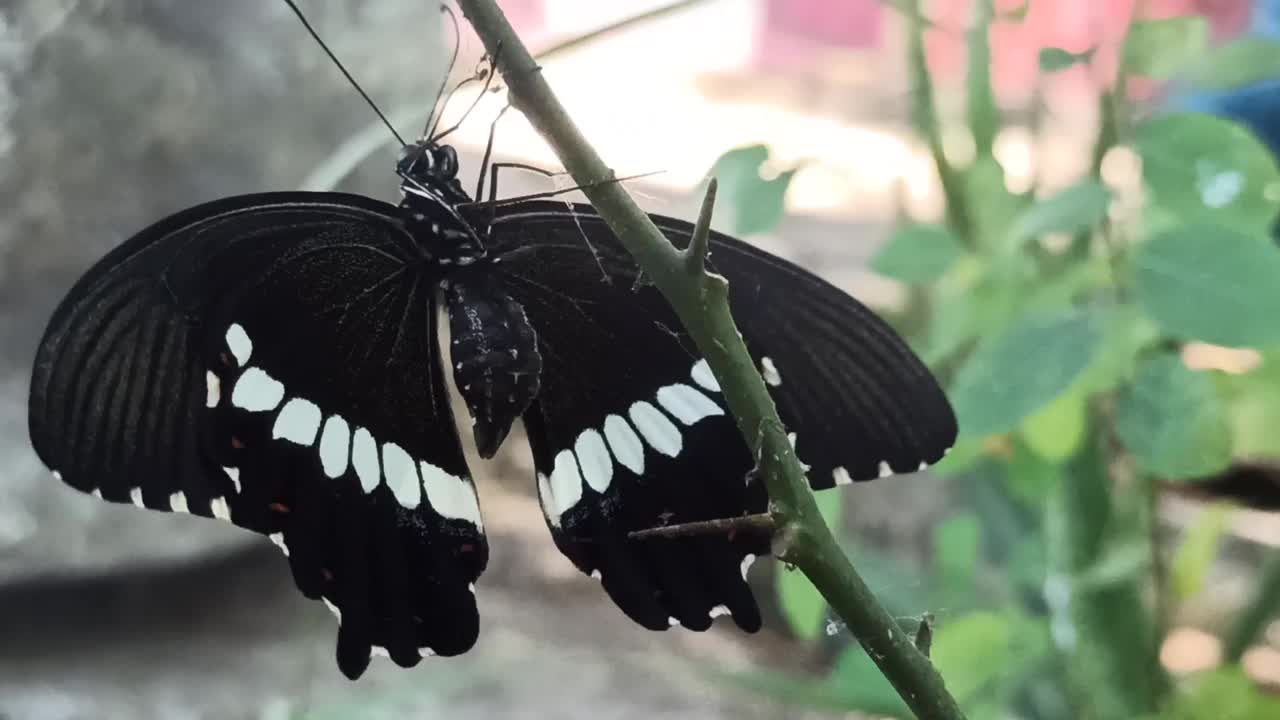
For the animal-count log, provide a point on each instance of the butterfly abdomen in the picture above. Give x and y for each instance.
(496, 363)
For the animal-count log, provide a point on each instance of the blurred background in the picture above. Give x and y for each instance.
(1067, 207)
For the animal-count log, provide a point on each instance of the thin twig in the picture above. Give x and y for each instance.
(763, 523)
(702, 304)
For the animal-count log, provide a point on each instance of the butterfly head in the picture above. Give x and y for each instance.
(429, 166)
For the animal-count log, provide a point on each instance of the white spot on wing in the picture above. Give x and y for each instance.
(402, 476)
(841, 476)
(364, 457)
(594, 460)
(672, 622)
(656, 429)
(885, 470)
(547, 501)
(335, 441)
(450, 495)
(426, 652)
(687, 404)
(212, 389)
(298, 422)
(96, 492)
(624, 443)
(256, 391)
(702, 375)
(240, 344)
(566, 483)
(135, 495)
(327, 602)
(595, 575)
(747, 560)
(234, 474)
(57, 476)
(220, 509)
(718, 610)
(378, 651)
(278, 539)
(769, 372)
(923, 466)
(178, 502)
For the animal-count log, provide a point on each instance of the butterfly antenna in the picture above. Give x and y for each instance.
(428, 132)
(437, 107)
(316, 36)
(488, 74)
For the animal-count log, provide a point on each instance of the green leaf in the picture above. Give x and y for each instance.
(1171, 419)
(956, 544)
(1018, 372)
(1055, 431)
(1159, 48)
(1119, 562)
(1253, 401)
(984, 655)
(1078, 207)
(1031, 477)
(1243, 61)
(1211, 283)
(802, 605)
(917, 254)
(756, 203)
(994, 207)
(1223, 694)
(863, 687)
(1201, 167)
(1196, 552)
(1128, 332)
(1053, 59)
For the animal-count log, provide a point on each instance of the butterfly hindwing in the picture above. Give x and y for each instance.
(272, 360)
(631, 432)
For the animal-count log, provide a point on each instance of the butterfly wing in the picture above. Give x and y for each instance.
(630, 430)
(271, 360)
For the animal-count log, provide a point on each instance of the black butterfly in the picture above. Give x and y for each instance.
(273, 360)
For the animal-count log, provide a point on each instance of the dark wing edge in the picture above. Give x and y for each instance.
(134, 399)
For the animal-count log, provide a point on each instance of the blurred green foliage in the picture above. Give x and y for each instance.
(1057, 322)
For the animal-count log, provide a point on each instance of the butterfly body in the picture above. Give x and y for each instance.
(275, 360)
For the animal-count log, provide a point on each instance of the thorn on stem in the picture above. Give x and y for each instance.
(695, 256)
(924, 634)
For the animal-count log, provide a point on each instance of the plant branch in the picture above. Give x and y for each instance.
(1264, 605)
(924, 115)
(760, 523)
(701, 302)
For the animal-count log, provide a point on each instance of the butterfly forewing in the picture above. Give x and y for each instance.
(273, 359)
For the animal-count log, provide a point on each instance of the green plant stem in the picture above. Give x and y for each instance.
(924, 115)
(1262, 607)
(984, 114)
(700, 299)
(1114, 662)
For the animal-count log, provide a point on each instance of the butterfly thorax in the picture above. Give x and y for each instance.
(430, 193)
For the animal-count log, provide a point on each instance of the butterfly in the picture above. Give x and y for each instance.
(277, 360)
